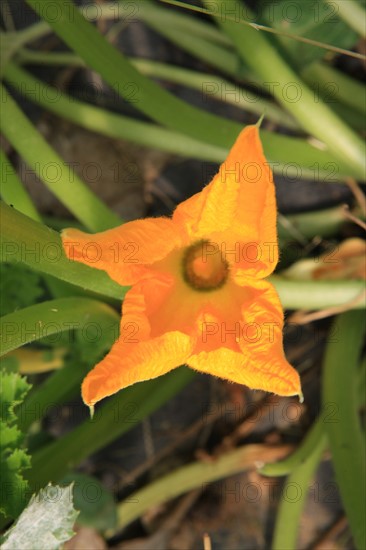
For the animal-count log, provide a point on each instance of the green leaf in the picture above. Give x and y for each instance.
(13, 460)
(346, 437)
(40, 248)
(315, 20)
(95, 503)
(46, 523)
(12, 392)
(19, 287)
(55, 316)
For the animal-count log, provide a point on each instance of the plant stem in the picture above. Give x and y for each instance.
(317, 295)
(197, 474)
(291, 507)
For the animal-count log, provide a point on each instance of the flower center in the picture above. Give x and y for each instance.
(204, 267)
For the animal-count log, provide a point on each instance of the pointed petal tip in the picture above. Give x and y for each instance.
(260, 120)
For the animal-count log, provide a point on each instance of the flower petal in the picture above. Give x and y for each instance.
(125, 251)
(259, 362)
(276, 376)
(240, 200)
(136, 355)
(127, 364)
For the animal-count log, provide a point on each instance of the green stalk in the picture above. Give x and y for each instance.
(12, 190)
(335, 85)
(323, 223)
(314, 439)
(292, 504)
(14, 193)
(345, 434)
(195, 475)
(51, 317)
(51, 168)
(317, 434)
(119, 414)
(40, 248)
(317, 295)
(315, 117)
(352, 13)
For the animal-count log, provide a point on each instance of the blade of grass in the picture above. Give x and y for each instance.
(157, 103)
(109, 124)
(335, 85)
(314, 116)
(52, 170)
(150, 98)
(40, 248)
(306, 161)
(207, 84)
(352, 12)
(314, 436)
(291, 507)
(51, 317)
(120, 413)
(346, 439)
(179, 25)
(12, 190)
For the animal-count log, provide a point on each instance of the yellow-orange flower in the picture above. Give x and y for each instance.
(198, 293)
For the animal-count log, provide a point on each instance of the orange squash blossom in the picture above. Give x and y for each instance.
(198, 291)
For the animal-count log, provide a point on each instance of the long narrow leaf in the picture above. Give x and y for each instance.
(51, 169)
(162, 106)
(346, 439)
(314, 115)
(52, 317)
(40, 248)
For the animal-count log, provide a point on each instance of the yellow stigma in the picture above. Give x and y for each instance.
(204, 267)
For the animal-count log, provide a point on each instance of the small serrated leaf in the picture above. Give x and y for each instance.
(13, 389)
(46, 522)
(13, 459)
